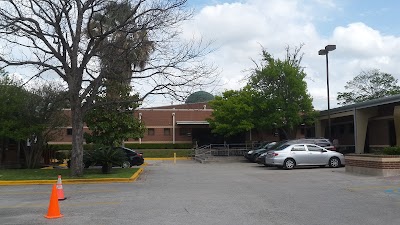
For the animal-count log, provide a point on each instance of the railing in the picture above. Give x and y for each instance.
(206, 152)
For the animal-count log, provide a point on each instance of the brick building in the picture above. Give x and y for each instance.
(174, 124)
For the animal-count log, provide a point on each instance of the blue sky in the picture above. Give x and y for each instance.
(380, 15)
(366, 33)
(377, 14)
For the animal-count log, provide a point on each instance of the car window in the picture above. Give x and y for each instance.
(298, 148)
(314, 148)
(130, 152)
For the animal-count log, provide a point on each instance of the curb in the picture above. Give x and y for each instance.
(177, 158)
(74, 181)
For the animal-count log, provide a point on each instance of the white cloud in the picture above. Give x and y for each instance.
(358, 38)
(239, 30)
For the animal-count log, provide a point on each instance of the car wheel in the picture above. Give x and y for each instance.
(126, 164)
(334, 162)
(289, 164)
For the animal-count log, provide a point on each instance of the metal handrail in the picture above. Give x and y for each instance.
(211, 150)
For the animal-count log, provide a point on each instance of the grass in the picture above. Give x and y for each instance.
(164, 153)
(52, 174)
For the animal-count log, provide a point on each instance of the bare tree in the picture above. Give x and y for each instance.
(57, 39)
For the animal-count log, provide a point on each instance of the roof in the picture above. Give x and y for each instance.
(366, 104)
(198, 105)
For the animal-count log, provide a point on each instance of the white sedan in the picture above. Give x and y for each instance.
(291, 155)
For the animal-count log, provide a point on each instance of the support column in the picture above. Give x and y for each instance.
(360, 126)
(173, 128)
(396, 117)
(140, 120)
(319, 128)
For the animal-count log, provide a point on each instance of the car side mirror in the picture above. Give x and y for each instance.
(323, 150)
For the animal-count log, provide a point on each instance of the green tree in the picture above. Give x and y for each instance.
(11, 101)
(368, 85)
(232, 113)
(31, 115)
(59, 36)
(112, 123)
(281, 98)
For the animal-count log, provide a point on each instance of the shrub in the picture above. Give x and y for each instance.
(106, 157)
(158, 146)
(130, 145)
(392, 150)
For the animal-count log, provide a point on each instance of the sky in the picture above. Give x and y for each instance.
(365, 32)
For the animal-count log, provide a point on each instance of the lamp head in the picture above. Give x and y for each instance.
(322, 52)
(330, 48)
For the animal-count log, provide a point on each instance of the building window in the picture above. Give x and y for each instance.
(150, 131)
(167, 132)
(351, 130)
(342, 127)
(184, 132)
(69, 131)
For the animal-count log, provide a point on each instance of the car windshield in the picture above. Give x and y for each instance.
(281, 147)
(277, 145)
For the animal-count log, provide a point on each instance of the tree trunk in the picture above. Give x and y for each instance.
(2, 147)
(77, 139)
(106, 168)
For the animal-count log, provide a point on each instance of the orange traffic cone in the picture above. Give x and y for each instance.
(60, 190)
(54, 209)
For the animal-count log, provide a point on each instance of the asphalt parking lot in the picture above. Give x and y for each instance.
(218, 193)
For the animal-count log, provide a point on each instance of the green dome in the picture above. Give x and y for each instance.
(199, 96)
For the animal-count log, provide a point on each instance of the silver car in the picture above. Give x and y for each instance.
(289, 156)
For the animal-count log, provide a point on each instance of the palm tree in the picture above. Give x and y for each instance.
(127, 49)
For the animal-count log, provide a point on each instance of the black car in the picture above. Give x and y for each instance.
(253, 154)
(133, 158)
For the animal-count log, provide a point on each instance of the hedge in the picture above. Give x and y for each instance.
(391, 150)
(58, 147)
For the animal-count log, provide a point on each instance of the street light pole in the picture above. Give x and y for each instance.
(325, 52)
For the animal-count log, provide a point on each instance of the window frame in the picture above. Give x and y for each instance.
(151, 132)
(168, 133)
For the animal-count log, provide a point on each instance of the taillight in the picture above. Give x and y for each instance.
(273, 154)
